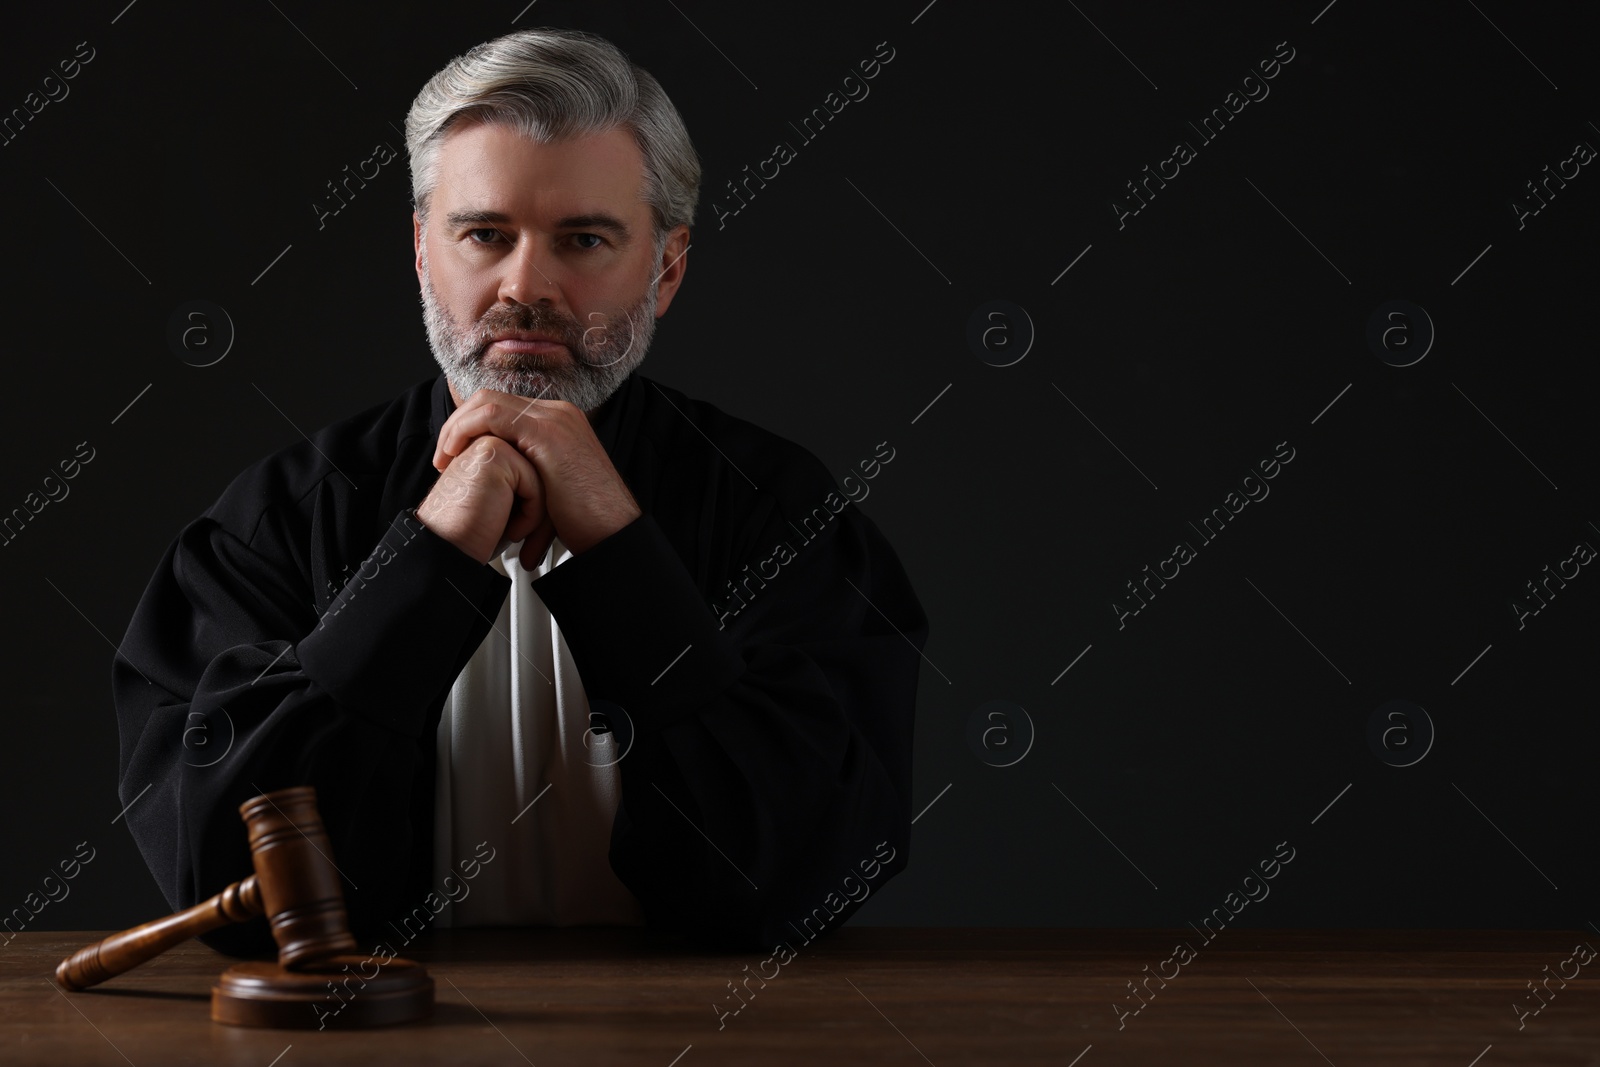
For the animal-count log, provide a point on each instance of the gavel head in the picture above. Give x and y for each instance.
(295, 876)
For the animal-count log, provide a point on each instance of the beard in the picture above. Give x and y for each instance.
(600, 356)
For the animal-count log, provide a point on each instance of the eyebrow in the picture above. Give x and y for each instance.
(594, 220)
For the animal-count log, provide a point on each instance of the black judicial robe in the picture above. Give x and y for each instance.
(307, 630)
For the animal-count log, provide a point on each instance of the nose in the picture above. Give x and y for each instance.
(529, 275)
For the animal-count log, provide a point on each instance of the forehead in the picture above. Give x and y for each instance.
(491, 166)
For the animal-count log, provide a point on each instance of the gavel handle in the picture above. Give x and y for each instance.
(93, 964)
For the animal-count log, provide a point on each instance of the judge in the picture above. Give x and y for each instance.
(478, 617)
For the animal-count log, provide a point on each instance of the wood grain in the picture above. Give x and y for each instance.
(865, 995)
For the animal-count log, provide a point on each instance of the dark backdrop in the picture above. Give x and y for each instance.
(1151, 759)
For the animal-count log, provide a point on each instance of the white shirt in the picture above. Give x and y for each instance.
(516, 770)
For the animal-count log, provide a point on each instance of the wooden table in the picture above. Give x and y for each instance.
(870, 995)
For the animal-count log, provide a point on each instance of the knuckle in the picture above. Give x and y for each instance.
(482, 451)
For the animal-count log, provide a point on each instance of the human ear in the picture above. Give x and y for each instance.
(672, 267)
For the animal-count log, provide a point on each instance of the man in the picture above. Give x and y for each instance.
(555, 644)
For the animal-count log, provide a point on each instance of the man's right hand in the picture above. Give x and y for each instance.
(490, 496)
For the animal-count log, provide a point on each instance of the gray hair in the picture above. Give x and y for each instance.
(552, 84)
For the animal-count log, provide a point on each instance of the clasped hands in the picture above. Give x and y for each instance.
(519, 470)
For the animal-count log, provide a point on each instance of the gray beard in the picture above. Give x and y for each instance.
(603, 353)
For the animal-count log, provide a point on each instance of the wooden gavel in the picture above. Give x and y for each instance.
(295, 885)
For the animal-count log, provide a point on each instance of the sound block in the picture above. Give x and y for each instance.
(338, 992)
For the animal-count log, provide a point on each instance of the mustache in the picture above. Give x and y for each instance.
(529, 319)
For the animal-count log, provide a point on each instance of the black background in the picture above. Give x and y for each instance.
(1221, 320)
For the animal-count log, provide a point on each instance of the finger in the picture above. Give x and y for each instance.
(464, 441)
(525, 480)
(440, 460)
(468, 423)
(527, 509)
(537, 545)
(513, 418)
(522, 525)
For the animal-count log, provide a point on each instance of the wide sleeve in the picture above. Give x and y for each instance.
(766, 792)
(229, 683)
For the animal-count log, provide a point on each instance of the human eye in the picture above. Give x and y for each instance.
(598, 240)
(489, 230)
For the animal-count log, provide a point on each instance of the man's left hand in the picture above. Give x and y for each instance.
(586, 500)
